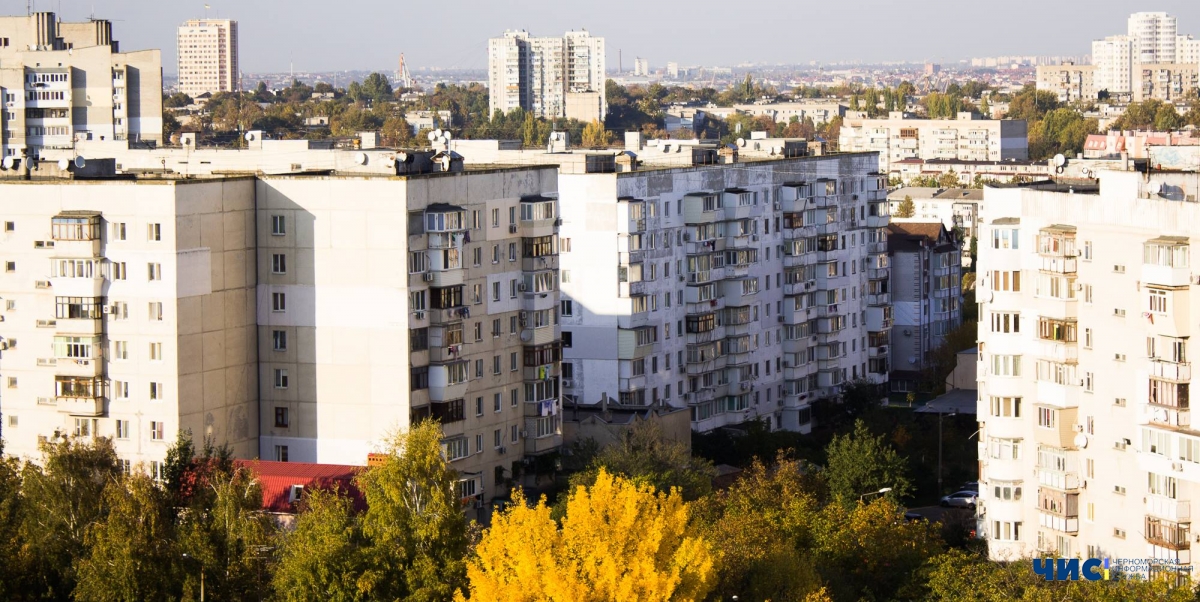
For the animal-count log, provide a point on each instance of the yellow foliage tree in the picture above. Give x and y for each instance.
(594, 135)
(618, 542)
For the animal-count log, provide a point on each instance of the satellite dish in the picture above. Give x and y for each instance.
(402, 157)
(249, 136)
(1154, 187)
(741, 142)
(1081, 440)
(360, 158)
(526, 336)
(1060, 160)
(7, 163)
(432, 136)
(80, 163)
(63, 164)
(438, 132)
(448, 136)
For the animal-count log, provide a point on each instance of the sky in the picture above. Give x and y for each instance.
(320, 35)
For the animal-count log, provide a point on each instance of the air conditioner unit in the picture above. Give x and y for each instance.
(512, 228)
(568, 383)
(687, 237)
(781, 318)
(754, 238)
(418, 315)
(687, 396)
(521, 286)
(3, 345)
(522, 317)
(478, 503)
(427, 276)
(1078, 428)
(558, 221)
(501, 450)
(1177, 466)
(524, 434)
(107, 309)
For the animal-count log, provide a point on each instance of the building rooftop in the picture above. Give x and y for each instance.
(277, 479)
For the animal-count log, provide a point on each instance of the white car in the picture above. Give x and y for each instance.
(961, 499)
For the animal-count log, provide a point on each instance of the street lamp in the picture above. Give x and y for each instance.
(185, 555)
(884, 490)
(953, 413)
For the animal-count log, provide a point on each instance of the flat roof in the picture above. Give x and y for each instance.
(958, 401)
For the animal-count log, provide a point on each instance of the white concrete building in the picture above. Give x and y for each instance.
(1153, 35)
(298, 317)
(208, 57)
(968, 137)
(926, 290)
(1087, 305)
(61, 82)
(550, 77)
(1113, 58)
(1070, 82)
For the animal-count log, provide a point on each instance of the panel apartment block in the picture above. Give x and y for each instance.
(968, 137)
(1087, 309)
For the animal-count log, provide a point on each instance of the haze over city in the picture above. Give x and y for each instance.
(320, 36)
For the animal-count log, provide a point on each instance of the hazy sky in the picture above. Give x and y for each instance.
(324, 35)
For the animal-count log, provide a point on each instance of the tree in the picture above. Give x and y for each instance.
(131, 553)
(414, 520)
(594, 135)
(59, 501)
(618, 541)
(375, 88)
(906, 208)
(943, 359)
(227, 537)
(861, 463)
(11, 575)
(170, 126)
(948, 180)
(324, 557)
(177, 100)
(645, 456)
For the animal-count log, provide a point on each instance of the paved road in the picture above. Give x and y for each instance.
(937, 513)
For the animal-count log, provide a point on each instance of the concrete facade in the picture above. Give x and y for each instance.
(550, 77)
(900, 137)
(1070, 82)
(208, 57)
(1086, 305)
(62, 82)
(926, 283)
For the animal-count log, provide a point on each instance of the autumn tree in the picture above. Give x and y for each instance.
(131, 553)
(325, 555)
(906, 208)
(862, 463)
(414, 520)
(618, 541)
(60, 500)
(948, 180)
(595, 136)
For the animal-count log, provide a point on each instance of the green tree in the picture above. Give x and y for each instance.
(11, 574)
(325, 556)
(948, 180)
(861, 463)
(414, 520)
(130, 553)
(906, 208)
(376, 88)
(177, 100)
(59, 501)
(646, 456)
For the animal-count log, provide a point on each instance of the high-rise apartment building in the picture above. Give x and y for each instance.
(296, 317)
(550, 77)
(61, 82)
(968, 137)
(1087, 310)
(1151, 60)
(926, 292)
(1153, 35)
(1070, 82)
(208, 57)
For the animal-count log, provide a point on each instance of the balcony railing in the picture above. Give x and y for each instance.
(1171, 371)
(1167, 534)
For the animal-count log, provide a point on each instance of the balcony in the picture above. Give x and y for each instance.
(1171, 371)
(539, 445)
(443, 278)
(1064, 480)
(879, 299)
(1059, 396)
(1058, 265)
(1059, 351)
(1161, 506)
(538, 264)
(81, 406)
(1167, 534)
(1169, 416)
(877, 352)
(449, 315)
(448, 353)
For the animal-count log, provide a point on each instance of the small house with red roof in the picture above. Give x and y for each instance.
(283, 484)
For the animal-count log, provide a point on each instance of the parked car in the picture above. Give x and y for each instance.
(961, 499)
(911, 516)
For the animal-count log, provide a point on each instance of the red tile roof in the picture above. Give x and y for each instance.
(277, 478)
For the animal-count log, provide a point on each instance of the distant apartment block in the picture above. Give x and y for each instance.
(60, 82)
(1070, 82)
(926, 291)
(208, 57)
(1151, 60)
(902, 137)
(966, 171)
(1086, 297)
(551, 77)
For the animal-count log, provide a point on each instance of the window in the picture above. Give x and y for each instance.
(118, 230)
(278, 225)
(1006, 531)
(281, 453)
(278, 263)
(1006, 365)
(154, 271)
(157, 391)
(419, 378)
(1006, 322)
(1047, 418)
(1006, 281)
(1162, 485)
(1158, 301)
(10, 266)
(10, 226)
(1087, 338)
(278, 302)
(279, 340)
(154, 232)
(281, 378)
(1007, 491)
(156, 311)
(567, 308)
(456, 449)
(1006, 238)
(416, 300)
(156, 352)
(120, 389)
(122, 429)
(1006, 407)
(281, 418)
(157, 430)
(83, 427)
(497, 402)
(118, 270)
(1004, 449)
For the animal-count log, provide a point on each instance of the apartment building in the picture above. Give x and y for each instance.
(1168, 82)
(1113, 58)
(208, 57)
(1086, 312)
(1151, 60)
(926, 289)
(128, 313)
(1153, 35)
(378, 289)
(1070, 82)
(551, 77)
(62, 82)
(968, 137)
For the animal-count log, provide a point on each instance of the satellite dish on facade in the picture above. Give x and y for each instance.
(526, 336)
(1154, 187)
(431, 136)
(7, 163)
(448, 136)
(438, 133)
(80, 163)
(741, 142)
(1060, 160)
(249, 136)
(360, 158)
(1081, 440)
(63, 164)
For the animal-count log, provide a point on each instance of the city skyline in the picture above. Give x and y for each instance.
(273, 42)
